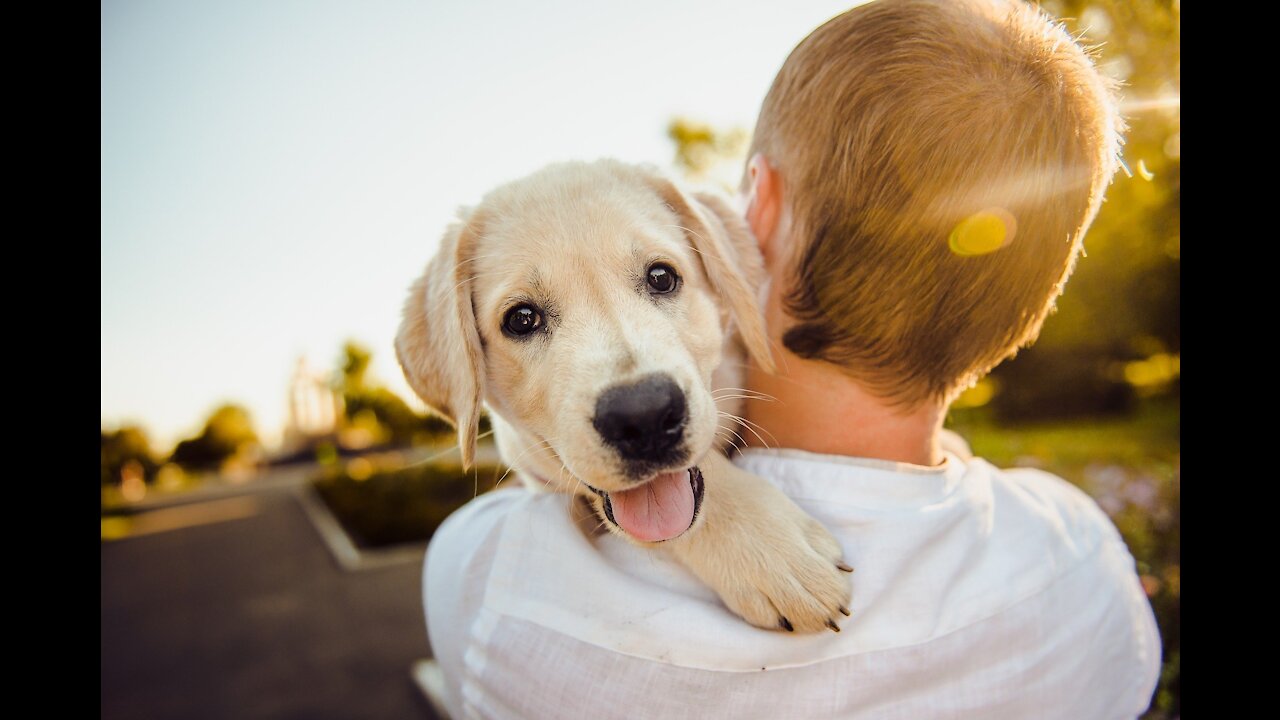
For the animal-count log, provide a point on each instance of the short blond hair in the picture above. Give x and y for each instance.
(897, 128)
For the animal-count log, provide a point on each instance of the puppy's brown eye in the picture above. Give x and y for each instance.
(662, 278)
(521, 320)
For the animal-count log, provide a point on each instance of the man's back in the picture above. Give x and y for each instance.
(979, 593)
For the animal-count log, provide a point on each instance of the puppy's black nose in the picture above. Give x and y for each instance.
(644, 420)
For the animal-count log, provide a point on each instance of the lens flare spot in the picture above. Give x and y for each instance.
(982, 232)
(1143, 172)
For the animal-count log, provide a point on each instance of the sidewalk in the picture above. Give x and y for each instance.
(251, 618)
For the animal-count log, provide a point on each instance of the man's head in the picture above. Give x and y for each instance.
(923, 174)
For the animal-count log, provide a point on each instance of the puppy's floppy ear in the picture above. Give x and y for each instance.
(438, 345)
(730, 256)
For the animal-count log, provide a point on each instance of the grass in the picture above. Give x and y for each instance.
(1147, 442)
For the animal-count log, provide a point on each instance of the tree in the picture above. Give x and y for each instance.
(705, 153)
(226, 431)
(1122, 303)
(128, 443)
(375, 408)
(355, 364)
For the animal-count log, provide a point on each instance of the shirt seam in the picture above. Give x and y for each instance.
(850, 461)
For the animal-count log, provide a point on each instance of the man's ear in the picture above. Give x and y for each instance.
(438, 344)
(730, 258)
(764, 205)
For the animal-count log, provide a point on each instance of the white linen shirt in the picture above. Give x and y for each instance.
(978, 593)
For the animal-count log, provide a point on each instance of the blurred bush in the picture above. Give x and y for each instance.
(1122, 304)
(379, 507)
(375, 416)
(706, 154)
(227, 435)
(128, 444)
(1069, 382)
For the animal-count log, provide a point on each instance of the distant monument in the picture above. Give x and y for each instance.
(314, 407)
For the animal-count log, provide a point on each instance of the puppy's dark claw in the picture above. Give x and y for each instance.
(841, 564)
(786, 624)
(832, 624)
(844, 610)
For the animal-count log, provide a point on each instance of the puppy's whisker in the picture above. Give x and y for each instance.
(573, 494)
(481, 256)
(753, 427)
(452, 449)
(700, 237)
(531, 452)
(747, 393)
(473, 277)
(742, 422)
(511, 466)
(710, 259)
(727, 441)
(735, 432)
(740, 397)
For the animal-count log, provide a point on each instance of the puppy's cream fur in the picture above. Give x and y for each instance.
(575, 240)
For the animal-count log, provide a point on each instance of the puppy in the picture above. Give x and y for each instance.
(602, 315)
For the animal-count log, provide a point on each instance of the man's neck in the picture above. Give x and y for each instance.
(811, 405)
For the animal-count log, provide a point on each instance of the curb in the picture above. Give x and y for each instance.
(344, 551)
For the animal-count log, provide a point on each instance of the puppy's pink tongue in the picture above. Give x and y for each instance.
(658, 510)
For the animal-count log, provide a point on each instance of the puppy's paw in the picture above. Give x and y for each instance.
(798, 580)
(771, 563)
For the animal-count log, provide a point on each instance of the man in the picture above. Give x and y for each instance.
(922, 175)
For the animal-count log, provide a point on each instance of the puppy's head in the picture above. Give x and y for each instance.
(588, 304)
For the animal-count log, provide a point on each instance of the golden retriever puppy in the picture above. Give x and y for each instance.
(596, 308)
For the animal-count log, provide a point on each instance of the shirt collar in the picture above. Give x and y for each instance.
(865, 482)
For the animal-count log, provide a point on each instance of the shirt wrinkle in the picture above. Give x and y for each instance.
(979, 593)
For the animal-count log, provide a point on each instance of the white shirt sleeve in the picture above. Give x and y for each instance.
(454, 578)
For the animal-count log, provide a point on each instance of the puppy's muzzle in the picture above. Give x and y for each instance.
(644, 421)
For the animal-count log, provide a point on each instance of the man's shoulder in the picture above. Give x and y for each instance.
(484, 515)
(1048, 498)
(1000, 535)
(1018, 499)
(472, 535)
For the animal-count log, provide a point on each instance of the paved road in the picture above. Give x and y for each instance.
(251, 618)
(213, 487)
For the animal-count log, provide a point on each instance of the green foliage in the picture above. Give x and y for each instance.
(1123, 301)
(355, 364)
(128, 443)
(227, 430)
(1125, 291)
(399, 506)
(386, 417)
(705, 153)
(1065, 382)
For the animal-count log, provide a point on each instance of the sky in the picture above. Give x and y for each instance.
(276, 174)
